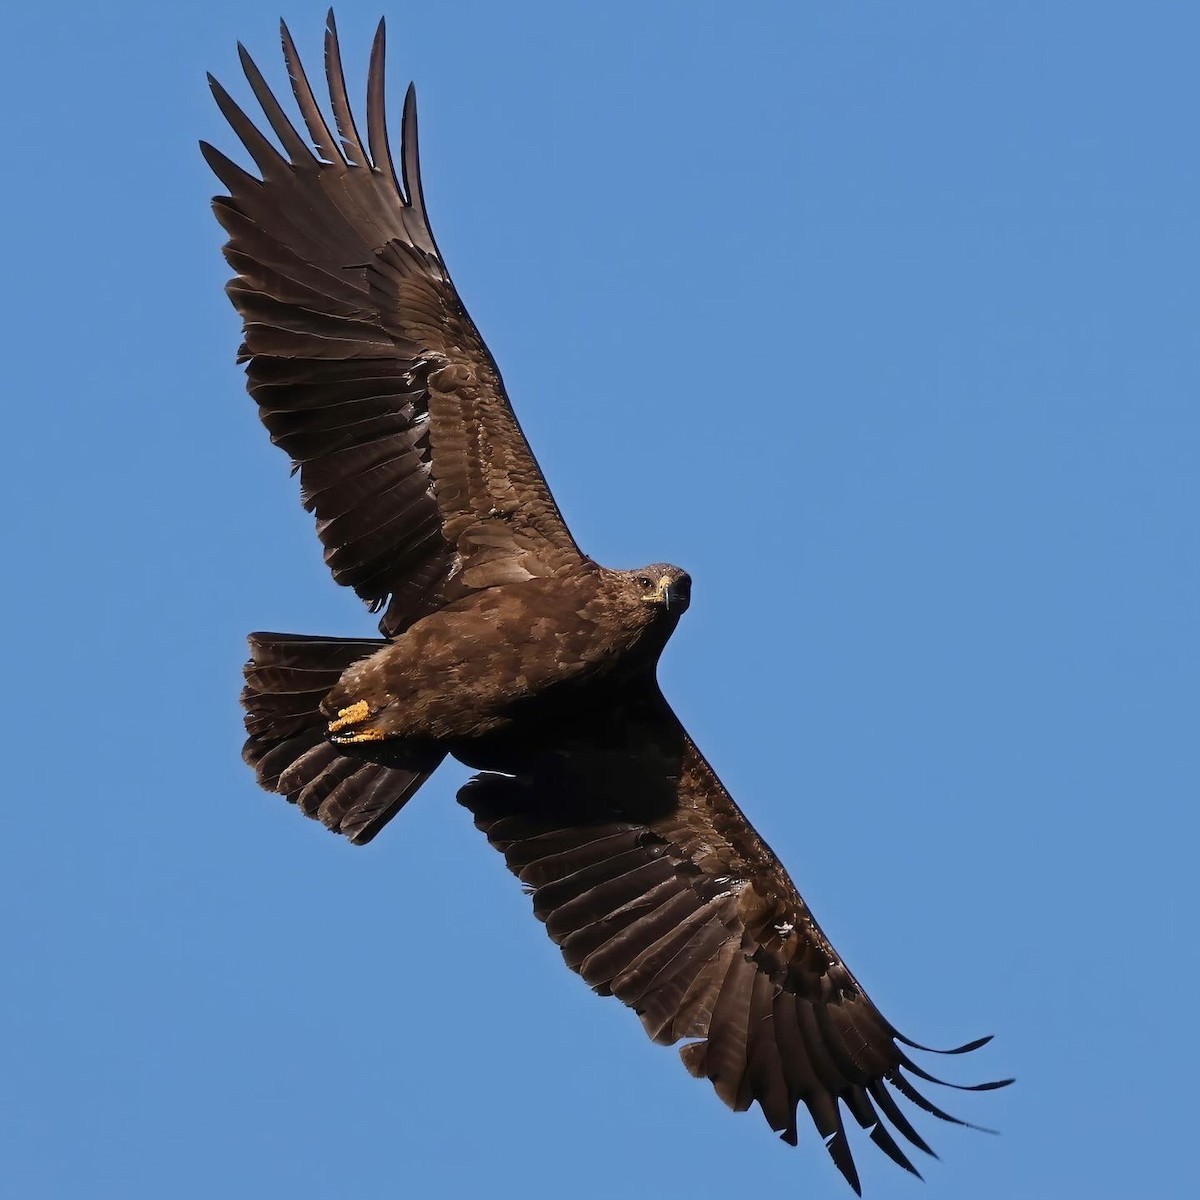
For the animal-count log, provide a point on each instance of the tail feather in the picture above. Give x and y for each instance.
(287, 677)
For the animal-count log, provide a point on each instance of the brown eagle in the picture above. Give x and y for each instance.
(503, 644)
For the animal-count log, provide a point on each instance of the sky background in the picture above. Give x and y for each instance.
(882, 320)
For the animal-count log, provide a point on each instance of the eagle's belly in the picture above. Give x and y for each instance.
(507, 653)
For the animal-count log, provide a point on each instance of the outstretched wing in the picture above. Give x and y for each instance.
(660, 892)
(366, 368)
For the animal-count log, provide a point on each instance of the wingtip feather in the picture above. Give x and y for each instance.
(965, 1048)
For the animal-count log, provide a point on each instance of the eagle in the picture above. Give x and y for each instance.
(503, 645)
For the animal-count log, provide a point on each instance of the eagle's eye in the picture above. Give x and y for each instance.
(645, 581)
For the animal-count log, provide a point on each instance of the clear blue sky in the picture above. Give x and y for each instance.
(882, 320)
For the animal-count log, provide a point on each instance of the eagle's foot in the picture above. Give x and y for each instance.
(351, 715)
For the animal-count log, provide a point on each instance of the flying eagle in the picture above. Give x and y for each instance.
(504, 645)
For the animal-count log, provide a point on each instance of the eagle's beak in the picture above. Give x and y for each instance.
(676, 592)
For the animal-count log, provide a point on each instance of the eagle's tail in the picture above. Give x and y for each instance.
(287, 677)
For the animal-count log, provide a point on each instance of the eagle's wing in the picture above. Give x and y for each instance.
(366, 368)
(659, 891)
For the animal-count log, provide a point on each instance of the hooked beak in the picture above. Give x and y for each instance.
(674, 593)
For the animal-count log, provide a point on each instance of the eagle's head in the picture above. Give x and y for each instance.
(661, 584)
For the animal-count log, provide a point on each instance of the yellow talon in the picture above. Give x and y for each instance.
(358, 711)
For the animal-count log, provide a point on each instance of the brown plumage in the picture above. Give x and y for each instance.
(503, 645)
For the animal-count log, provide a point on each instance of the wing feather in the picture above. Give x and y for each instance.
(607, 947)
(343, 114)
(764, 1064)
(306, 101)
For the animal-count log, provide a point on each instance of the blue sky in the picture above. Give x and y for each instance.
(881, 319)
